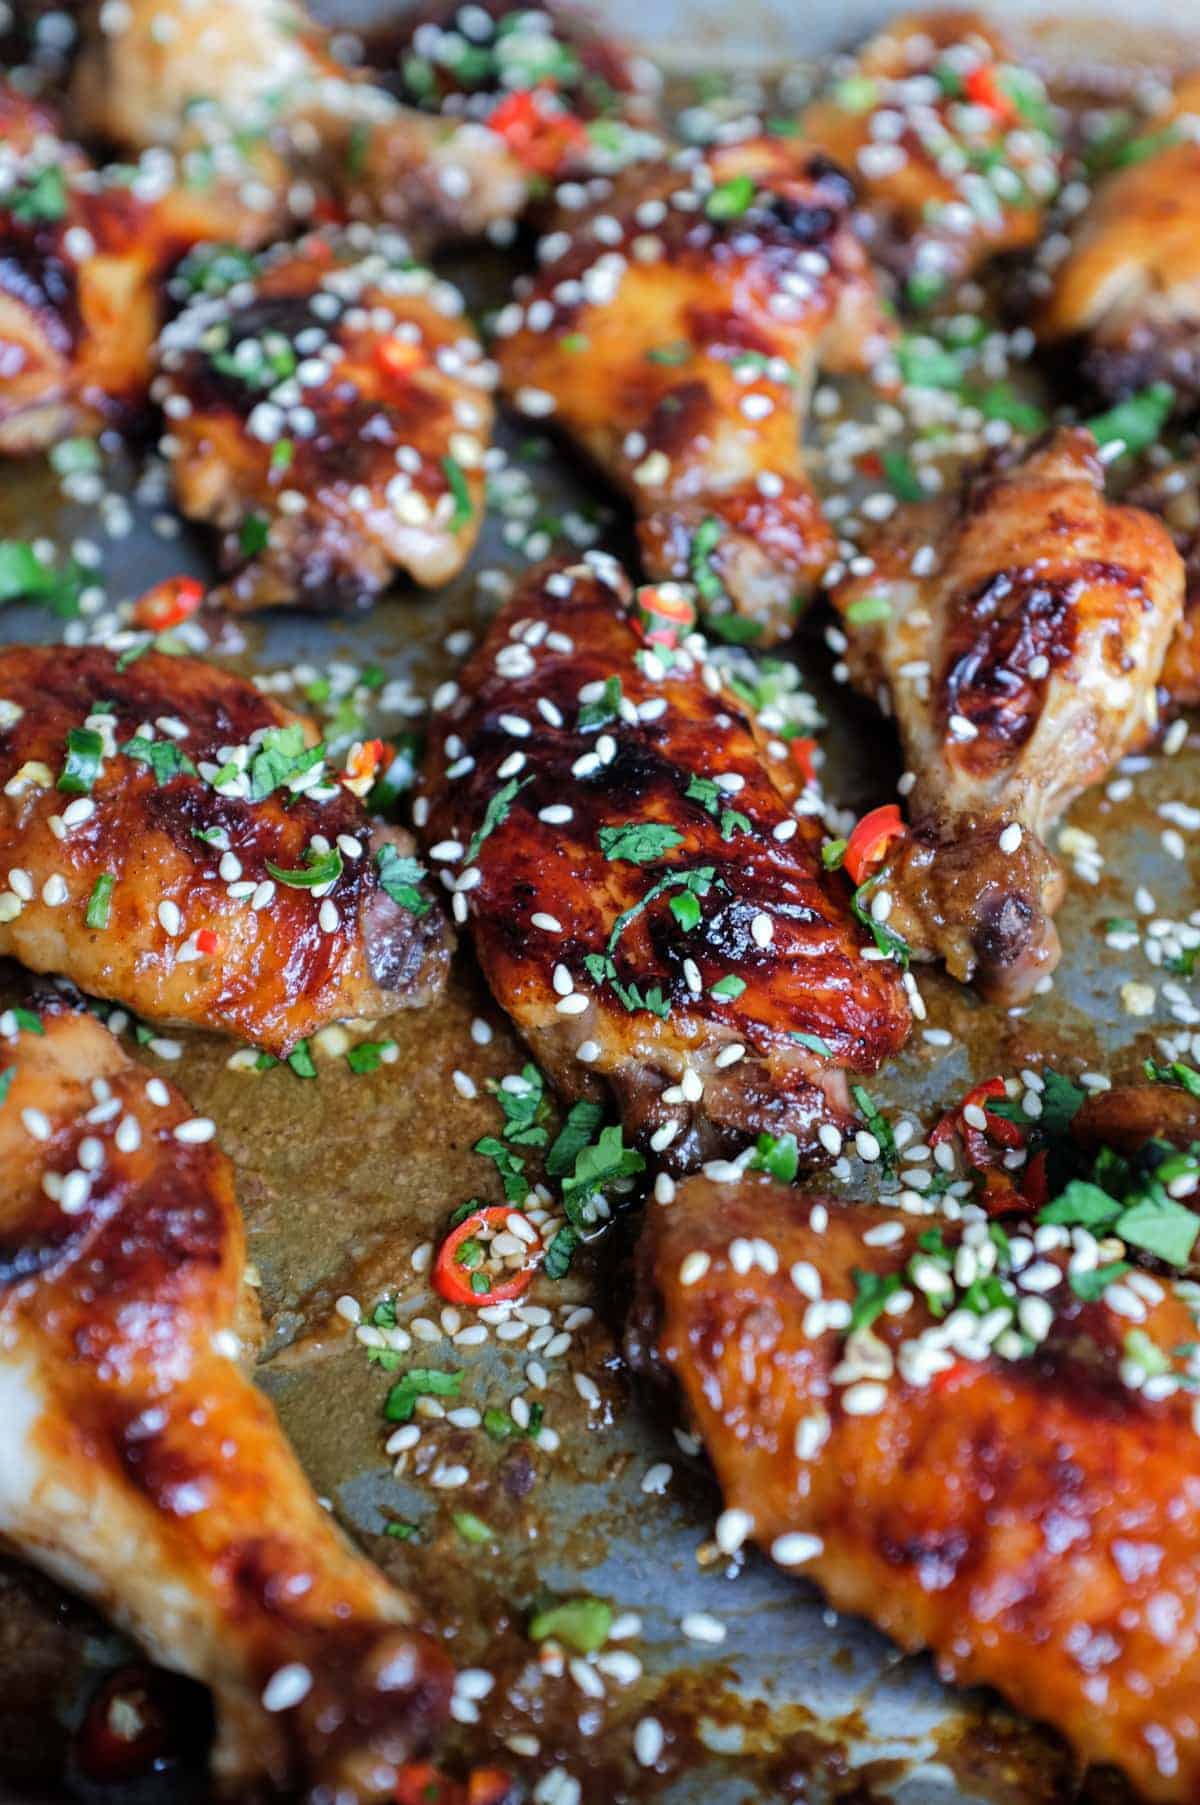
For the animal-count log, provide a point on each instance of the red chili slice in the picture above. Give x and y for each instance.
(870, 839)
(167, 603)
(538, 135)
(802, 751)
(453, 1273)
(982, 88)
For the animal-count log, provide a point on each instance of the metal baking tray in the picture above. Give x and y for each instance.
(342, 1178)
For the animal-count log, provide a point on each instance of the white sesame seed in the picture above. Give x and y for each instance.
(195, 1130)
(286, 1687)
(732, 1528)
(649, 1739)
(796, 1549)
(699, 1626)
(36, 1123)
(692, 1268)
(762, 929)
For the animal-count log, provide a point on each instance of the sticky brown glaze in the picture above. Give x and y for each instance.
(1031, 1520)
(257, 89)
(184, 941)
(1173, 493)
(328, 413)
(139, 1464)
(1127, 295)
(1130, 1115)
(950, 139)
(679, 349)
(1020, 666)
(425, 59)
(543, 899)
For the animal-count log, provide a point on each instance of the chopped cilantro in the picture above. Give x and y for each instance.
(557, 1261)
(1092, 1285)
(868, 608)
(582, 1623)
(472, 1528)
(495, 815)
(281, 755)
(301, 1060)
(871, 1293)
(401, 1531)
(100, 901)
(926, 364)
(597, 1166)
(729, 200)
(637, 842)
(604, 709)
(508, 1164)
(85, 751)
(163, 757)
(705, 541)
(399, 876)
(778, 1155)
(525, 1109)
(902, 477)
(679, 353)
(319, 868)
(877, 1124)
(686, 910)
(1135, 424)
(814, 1043)
(6, 1081)
(254, 534)
(24, 576)
(464, 508)
(577, 1132)
(728, 989)
(419, 1382)
(40, 197)
(1176, 1073)
(367, 1056)
(71, 457)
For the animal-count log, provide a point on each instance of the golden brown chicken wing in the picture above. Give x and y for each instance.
(328, 410)
(1129, 289)
(176, 842)
(1173, 493)
(997, 1462)
(253, 92)
(643, 900)
(1017, 632)
(673, 329)
(952, 143)
(138, 1464)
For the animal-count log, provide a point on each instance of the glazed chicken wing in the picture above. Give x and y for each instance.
(1173, 493)
(1021, 663)
(539, 78)
(643, 899)
(328, 409)
(952, 143)
(174, 841)
(673, 330)
(1128, 291)
(996, 1463)
(253, 89)
(138, 1464)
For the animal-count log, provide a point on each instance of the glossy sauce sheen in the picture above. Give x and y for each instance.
(148, 1470)
(563, 632)
(1036, 1523)
(275, 975)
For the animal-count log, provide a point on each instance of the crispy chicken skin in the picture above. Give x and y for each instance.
(254, 88)
(1020, 668)
(141, 1467)
(328, 412)
(1128, 292)
(194, 929)
(678, 963)
(949, 139)
(1031, 1519)
(673, 329)
(1129, 1116)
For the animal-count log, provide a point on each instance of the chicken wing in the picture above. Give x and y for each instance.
(255, 92)
(328, 410)
(1128, 291)
(174, 841)
(952, 142)
(673, 329)
(994, 1463)
(642, 898)
(137, 1463)
(540, 78)
(1018, 632)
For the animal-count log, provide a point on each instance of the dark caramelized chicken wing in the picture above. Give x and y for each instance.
(253, 90)
(643, 899)
(673, 330)
(1127, 295)
(328, 412)
(141, 812)
(951, 142)
(1014, 1485)
(137, 1462)
(1021, 664)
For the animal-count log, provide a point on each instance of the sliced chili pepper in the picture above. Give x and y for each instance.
(983, 90)
(870, 463)
(663, 617)
(167, 603)
(537, 133)
(420, 1783)
(362, 762)
(1035, 1186)
(802, 751)
(946, 1381)
(206, 941)
(978, 1142)
(870, 840)
(462, 1263)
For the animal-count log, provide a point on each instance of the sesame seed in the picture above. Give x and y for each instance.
(699, 1626)
(796, 1549)
(649, 1739)
(691, 1270)
(550, 924)
(37, 1123)
(195, 1130)
(286, 1687)
(732, 1529)
(762, 929)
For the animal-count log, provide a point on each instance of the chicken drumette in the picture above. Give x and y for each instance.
(1173, 493)
(137, 1462)
(253, 91)
(643, 899)
(1017, 632)
(952, 142)
(328, 409)
(673, 329)
(1128, 292)
(999, 1462)
(174, 841)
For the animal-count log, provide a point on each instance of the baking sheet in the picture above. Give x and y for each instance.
(342, 1178)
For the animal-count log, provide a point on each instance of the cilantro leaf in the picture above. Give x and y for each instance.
(508, 1164)
(524, 1109)
(871, 1293)
(778, 1155)
(400, 874)
(281, 754)
(319, 868)
(85, 752)
(494, 816)
(419, 1382)
(638, 842)
(597, 1166)
(163, 757)
(583, 1119)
